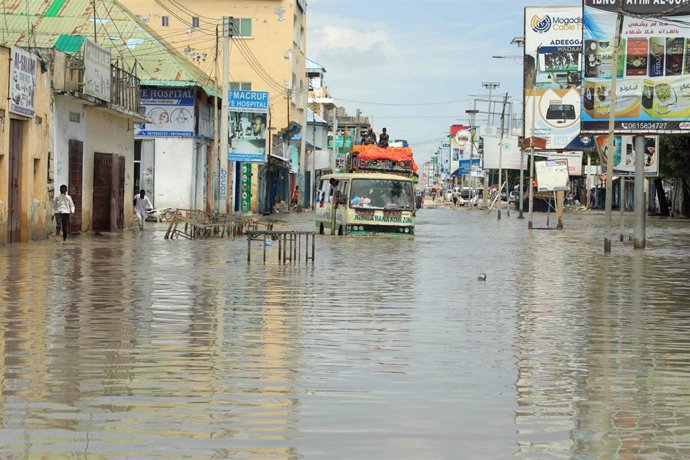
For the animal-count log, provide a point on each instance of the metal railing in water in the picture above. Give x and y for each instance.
(290, 244)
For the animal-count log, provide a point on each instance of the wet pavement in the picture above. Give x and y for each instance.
(130, 346)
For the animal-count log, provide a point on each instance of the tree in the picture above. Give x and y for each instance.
(674, 162)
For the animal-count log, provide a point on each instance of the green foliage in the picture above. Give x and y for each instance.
(674, 158)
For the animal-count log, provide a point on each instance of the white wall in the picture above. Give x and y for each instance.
(64, 131)
(174, 172)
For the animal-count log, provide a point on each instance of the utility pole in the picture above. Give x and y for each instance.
(213, 202)
(472, 113)
(639, 236)
(224, 117)
(610, 144)
(500, 155)
(531, 163)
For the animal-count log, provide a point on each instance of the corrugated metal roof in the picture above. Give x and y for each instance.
(25, 23)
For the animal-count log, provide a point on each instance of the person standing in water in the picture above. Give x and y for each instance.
(141, 205)
(64, 206)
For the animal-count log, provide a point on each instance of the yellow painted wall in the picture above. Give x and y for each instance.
(36, 209)
(272, 40)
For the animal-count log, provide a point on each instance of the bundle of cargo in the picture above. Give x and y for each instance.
(397, 160)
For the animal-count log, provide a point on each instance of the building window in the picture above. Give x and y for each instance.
(241, 85)
(242, 27)
(165, 21)
(195, 21)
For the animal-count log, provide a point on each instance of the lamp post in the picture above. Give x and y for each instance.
(490, 85)
(471, 113)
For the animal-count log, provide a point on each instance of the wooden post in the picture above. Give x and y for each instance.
(559, 209)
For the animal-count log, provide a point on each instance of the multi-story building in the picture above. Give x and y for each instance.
(267, 53)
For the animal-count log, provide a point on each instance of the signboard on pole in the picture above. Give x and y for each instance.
(248, 126)
(509, 157)
(552, 175)
(574, 160)
(23, 83)
(460, 137)
(97, 76)
(624, 155)
(171, 111)
(653, 71)
(552, 67)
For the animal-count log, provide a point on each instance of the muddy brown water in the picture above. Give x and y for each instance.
(130, 346)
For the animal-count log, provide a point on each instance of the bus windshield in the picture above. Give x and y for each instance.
(381, 194)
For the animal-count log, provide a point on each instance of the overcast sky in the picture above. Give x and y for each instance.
(397, 53)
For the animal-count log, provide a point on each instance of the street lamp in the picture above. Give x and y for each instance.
(490, 85)
(471, 113)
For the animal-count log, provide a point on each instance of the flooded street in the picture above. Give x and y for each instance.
(131, 346)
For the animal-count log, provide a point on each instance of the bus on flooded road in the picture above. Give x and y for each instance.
(361, 203)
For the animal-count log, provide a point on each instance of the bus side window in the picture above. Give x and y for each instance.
(344, 187)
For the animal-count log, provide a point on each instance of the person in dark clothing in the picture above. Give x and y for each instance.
(370, 138)
(383, 139)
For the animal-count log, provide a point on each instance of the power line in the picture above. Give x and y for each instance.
(399, 104)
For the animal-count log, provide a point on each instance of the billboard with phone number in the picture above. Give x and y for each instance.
(653, 69)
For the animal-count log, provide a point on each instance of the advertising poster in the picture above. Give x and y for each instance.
(653, 71)
(460, 137)
(23, 83)
(552, 75)
(97, 76)
(574, 160)
(248, 126)
(624, 155)
(509, 157)
(552, 175)
(171, 111)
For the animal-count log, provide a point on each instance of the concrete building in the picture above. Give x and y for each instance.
(91, 134)
(267, 54)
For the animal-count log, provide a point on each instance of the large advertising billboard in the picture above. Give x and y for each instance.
(552, 75)
(653, 69)
(460, 137)
(170, 110)
(624, 155)
(248, 126)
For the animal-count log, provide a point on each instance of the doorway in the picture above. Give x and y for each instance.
(108, 192)
(74, 185)
(15, 183)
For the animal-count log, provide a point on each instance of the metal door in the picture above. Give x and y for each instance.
(102, 191)
(15, 183)
(117, 220)
(74, 187)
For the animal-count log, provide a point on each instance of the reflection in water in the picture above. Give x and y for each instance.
(130, 345)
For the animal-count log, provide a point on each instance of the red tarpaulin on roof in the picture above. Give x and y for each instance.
(373, 152)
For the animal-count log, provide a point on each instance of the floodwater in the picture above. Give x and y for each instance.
(130, 346)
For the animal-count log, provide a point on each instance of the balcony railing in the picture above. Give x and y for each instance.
(124, 85)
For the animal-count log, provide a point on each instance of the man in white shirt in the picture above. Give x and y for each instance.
(141, 205)
(64, 206)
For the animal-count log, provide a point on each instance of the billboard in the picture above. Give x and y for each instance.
(171, 111)
(653, 70)
(23, 83)
(508, 157)
(460, 137)
(574, 160)
(552, 175)
(97, 76)
(248, 126)
(552, 75)
(624, 155)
